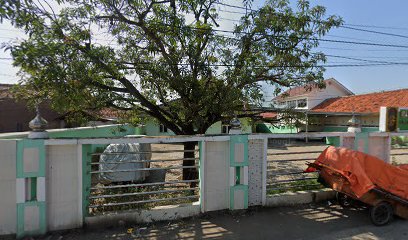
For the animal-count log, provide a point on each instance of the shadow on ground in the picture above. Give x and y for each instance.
(317, 221)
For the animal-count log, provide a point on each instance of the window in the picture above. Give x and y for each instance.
(302, 103)
(163, 129)
(225, 128)
(292, 104)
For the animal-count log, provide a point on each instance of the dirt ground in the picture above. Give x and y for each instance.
(317, 221)
(171, 159)
(399, 156)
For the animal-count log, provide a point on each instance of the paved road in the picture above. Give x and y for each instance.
(320, 221)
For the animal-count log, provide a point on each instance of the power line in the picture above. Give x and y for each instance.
(294, 66)
(375, 26)
(376, 32)
(235, 6)
(317, 39)
(346, 25)
(360, 49)
(359, 59)
(227, 11)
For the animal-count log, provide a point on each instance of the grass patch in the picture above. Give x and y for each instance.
(295, 186)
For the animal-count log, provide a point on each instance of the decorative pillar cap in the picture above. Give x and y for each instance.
(354, 125)
(235, 126)
(38, 126)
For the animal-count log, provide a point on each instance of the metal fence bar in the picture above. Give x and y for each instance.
(292, 145)
(144, 201)
(291, 180)
(293, 187)
(146, 152)
(142, 169)
(144, 184)
(398, 154)
(145, 161)
(290, 153)
(292, 160)
(286, 173)
(141, 193)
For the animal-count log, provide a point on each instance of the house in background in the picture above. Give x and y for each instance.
(332, 108)
(334, 114)
(300, 99)
(307, 97)
(153, 128)
(16, 115)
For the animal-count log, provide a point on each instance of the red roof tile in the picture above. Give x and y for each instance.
(365, 103)
(109, 113)
(269, 115)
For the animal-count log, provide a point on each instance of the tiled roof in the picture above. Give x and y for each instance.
(109, 113)
(269, 115)
(301, 90)
(365, 103)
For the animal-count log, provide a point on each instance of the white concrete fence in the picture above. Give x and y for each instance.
(45, 184)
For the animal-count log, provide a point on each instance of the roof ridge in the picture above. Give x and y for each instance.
(383, 91)
(364, 103)
(372, 93)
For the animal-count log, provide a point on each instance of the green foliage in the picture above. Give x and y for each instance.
(399, 141)
(166, 60)
(295, 186)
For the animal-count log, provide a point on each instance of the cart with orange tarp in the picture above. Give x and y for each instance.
(359, 176)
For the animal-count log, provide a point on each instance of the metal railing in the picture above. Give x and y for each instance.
(286, 163)
(142, 179)
(399, 155)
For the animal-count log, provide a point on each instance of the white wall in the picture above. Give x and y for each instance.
(216, 176)
(318, 96)
(8, 211)
(63, 192)
(380, 147)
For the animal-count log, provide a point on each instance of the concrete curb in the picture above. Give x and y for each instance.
(173, 212)
(165, 213)
(302, 197)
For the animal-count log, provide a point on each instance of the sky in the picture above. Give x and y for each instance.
(373, 15)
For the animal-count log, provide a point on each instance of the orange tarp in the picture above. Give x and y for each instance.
(364, 171)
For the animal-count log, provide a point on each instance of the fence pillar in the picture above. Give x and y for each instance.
(361, 142)
(201, 174)
(256, 171)
(30, 188)
(238, 172)
(380, 147)
(214, 172)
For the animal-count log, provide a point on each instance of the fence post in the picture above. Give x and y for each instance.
(201, 175)
(30, 188)
(264, 170)
(238, 172)
(86, 177)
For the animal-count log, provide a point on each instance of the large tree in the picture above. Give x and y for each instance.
(166, 59)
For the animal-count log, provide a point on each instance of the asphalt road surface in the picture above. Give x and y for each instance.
(312, 221)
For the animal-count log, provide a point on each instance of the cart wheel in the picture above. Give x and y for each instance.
(381, 214)
(344, 200)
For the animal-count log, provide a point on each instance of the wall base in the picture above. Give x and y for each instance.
(164, 213)
(302, 197)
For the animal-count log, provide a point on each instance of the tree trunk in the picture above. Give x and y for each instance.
(190, 173)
